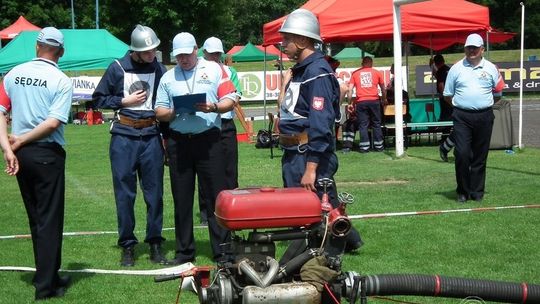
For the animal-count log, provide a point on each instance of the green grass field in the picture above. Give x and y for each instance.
(496, 245)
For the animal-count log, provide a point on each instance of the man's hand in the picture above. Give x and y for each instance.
(15, 142)
(12, 163)
(207, 107)
(134, 99)
(308, 179)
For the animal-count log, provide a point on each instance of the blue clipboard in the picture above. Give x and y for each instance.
(187, 103)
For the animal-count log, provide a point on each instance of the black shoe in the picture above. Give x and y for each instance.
(57, 293)
(443, 154)
(363, 150)
(180, 261)
(156, 255)
(64, 281)
(379, 149)
(461, 198)
(477, 198)
(345, 150)
(128, 257)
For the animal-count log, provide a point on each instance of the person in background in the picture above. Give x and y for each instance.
(213, 50)
(349, 123)
(440, 72)
(367, 81)
(472, 85)
(129, 88)
(308, 113)
(390, 99)
(194, 147)
(12, 164)
(39, 95)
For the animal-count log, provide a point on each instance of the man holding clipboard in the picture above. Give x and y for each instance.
(191, 97)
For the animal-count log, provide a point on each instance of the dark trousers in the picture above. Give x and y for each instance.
(141, 157)
(349, 129)
(369, 114)
(230, 158)
(472, 135)
(42, 184)
(199, 156)
(293, 167)
(446, 115)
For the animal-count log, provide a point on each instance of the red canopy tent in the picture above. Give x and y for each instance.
(18, 26)
(235, 49)
(272, 50)
(352, 20)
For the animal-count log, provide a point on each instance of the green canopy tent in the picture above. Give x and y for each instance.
(251, 53)
(352, 53)
(85, 49)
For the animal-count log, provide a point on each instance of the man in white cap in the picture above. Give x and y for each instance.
(472, 85)
(191, 96)
(40, 98)
(213, 50)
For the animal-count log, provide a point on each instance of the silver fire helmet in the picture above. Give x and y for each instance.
(143, 39)
(303, 23)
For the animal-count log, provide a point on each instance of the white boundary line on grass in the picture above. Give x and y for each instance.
(354, 217)
(152, 272)
(435, 212)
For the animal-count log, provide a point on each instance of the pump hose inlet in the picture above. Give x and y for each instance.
(449, 287)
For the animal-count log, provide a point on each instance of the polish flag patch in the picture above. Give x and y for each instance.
(317, 103)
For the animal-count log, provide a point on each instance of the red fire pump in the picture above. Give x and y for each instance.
(251, 273)
(309, 271)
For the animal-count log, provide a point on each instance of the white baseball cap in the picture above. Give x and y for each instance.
(474, 40)
(213, 45)
(51, 36)
(183, 43)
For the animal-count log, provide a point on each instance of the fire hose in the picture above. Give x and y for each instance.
(449, 287)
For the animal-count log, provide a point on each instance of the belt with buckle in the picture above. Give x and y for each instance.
(136, 123)
(291, 140)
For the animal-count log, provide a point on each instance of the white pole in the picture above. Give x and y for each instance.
(520, 144)
(72, 16)
(97, 14)
(398, 82)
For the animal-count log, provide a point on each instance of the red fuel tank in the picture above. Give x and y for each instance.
(268, 207)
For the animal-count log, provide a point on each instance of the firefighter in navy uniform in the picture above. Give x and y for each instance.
(129, 87)
(308, 112)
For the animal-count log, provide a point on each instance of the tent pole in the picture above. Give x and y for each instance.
(72, 16)
(520, 143)
(264, 87)
(487, 43)
(398, 84)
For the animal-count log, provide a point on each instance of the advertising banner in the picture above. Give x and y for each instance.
(510, 72)
(253, 85)
(83, 87)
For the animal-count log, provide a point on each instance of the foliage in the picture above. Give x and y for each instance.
(235, 22)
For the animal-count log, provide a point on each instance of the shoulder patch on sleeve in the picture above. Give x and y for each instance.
(317, 103)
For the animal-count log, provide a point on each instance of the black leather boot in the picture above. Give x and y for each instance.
(128, 257)
(156, 255)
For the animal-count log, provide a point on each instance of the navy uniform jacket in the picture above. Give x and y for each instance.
(311, 104)
(123, 77)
